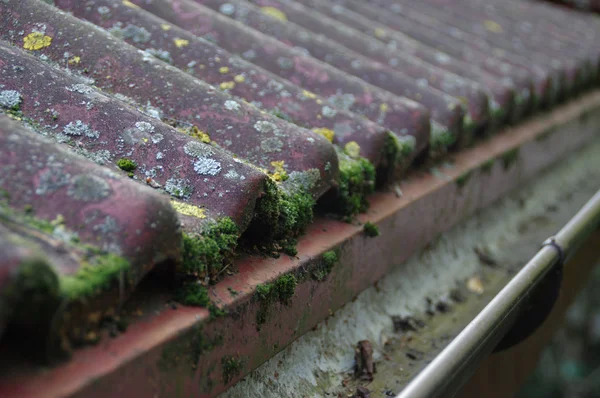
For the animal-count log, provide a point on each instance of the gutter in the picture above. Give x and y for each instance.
(453, 367)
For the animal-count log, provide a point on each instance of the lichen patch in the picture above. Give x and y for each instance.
(207, 166)
(36, 41)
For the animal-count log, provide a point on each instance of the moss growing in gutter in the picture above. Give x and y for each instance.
(204, 253)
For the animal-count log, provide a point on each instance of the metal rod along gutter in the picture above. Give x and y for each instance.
(453, 367)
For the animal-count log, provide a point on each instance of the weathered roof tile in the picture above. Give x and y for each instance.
(339, 88)
(119, 229)
(122, 69)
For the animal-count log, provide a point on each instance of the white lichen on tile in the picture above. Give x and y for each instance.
(207, 166)
(78, 128)
(10, 99)
(197, 149)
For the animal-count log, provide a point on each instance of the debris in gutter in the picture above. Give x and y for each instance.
(363, 357)
(407, 324)
(362, 392)
(484, 256)
(475, 285)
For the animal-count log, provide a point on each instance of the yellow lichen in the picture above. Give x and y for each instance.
(325, 132)
(188, 210)
(199, 134)
(275, 13)
(383, 107)
(180, 43)
(227, 85)
(130, 4)
(352, 149)
(223, 70)
(36, 41)
(492, 26)
(308, 94)
(165, 26)
(279, 173)
(239, 79)
(75, 60)
(379, 33)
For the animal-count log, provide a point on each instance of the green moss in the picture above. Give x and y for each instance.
(216, 312)
(441, 139)
(95, 275)
(281, 290)
(263, 292)
(399, 150)
(232, 367)
(463, 178)
(34, 292)
(285, 287)
(296, 213)
(509, 158)
(289, 247)
(204, 254)
(126, 165)
(357, 181)
(282, 115)
(187, 350)
(279, 217)
(192, 293)
(370, 229)
(487, 166)
(329, 259)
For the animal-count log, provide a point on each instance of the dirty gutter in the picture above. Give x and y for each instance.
(446, 374)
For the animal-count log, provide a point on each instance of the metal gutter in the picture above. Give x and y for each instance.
(444, 376)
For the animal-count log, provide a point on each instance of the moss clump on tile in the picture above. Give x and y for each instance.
(98, 270)
(357, 181)
(440, 140)
(232, 366)
(126, 164)
(204, 253)
(463, 178)
(192, 293)
(289, 247)
(399, 150)
(280, 217)
(509, 158)
(371, 230)
(98, 273)
(34, 292)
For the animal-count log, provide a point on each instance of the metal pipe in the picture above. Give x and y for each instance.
(446, 374)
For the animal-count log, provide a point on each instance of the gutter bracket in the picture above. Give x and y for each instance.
(539, 303)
